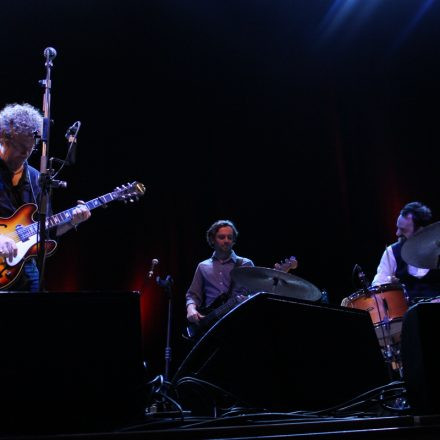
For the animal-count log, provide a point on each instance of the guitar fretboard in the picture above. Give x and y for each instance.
(63, 217)
(220, 311)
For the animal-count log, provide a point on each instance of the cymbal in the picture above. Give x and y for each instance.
(423, 248)
(263, 279)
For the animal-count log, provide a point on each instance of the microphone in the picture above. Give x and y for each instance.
(50, 53)
(362, 278)
(72, 131)
(71, 135)
(154, 262)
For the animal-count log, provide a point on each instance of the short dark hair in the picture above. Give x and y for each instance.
(421, 214)
(210, 233)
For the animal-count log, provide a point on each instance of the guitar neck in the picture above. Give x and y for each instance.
(129, 192)
(220, 311)
(66, 216)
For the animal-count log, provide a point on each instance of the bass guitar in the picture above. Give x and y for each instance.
(224, 303)
(25, 231)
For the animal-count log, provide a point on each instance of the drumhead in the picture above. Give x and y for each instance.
(380, 288)
(386, 287)
(356, 295)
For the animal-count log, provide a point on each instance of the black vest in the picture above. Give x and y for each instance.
(416, 288)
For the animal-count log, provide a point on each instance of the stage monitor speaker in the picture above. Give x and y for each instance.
(278, 353)
(420, 359)
(70, 360)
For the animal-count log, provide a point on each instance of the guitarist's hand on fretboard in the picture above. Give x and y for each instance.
(79, 214)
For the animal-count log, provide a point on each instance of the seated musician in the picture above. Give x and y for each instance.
(420, 284)
(20, 126)
(212, 277)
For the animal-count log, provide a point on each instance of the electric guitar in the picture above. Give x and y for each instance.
(224, 303)
(25, 231)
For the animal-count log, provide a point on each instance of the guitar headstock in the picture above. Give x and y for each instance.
(288, 264)
(129, 192)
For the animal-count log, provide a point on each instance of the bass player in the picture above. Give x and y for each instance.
(212, 278)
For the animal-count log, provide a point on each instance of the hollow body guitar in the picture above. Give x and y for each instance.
(21, 228)
(223, 304)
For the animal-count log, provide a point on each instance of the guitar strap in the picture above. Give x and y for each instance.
(237, 263)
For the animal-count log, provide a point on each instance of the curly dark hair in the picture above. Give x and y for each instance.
(421, 214)
(210, 233)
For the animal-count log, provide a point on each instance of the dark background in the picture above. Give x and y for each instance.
(307, 123)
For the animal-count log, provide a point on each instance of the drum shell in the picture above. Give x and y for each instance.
(384, 303)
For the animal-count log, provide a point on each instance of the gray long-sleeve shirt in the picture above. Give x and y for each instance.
(212, 278)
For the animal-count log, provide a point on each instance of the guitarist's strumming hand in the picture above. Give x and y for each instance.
(8, 248)
(192, 315)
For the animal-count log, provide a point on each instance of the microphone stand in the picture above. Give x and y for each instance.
(161, 391)
(46, 179)
(166, 286)
(45, 194)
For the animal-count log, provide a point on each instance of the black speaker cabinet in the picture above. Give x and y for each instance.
(69, 360)
(420, 358)
(278, 353)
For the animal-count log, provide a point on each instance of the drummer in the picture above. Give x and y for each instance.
(420, 284)
(212, 277)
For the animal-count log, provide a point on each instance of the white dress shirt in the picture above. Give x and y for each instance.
(386, 270)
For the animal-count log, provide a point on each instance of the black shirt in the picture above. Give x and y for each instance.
(27, 191)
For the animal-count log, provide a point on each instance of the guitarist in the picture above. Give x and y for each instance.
(212, 277)
(20, 126)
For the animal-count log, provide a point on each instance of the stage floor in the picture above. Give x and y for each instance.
(260, 426)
